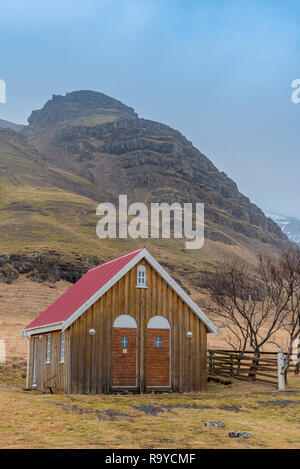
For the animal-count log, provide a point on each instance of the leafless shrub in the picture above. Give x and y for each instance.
(255, 307)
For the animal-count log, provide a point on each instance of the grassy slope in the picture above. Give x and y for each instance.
(43, 208)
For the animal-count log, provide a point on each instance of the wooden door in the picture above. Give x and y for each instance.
(124, 357)
(158, 357)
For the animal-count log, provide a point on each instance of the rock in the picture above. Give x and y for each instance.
(214, 424)
(45, 267)
(8, 274)
(75, 105)
(237, 434)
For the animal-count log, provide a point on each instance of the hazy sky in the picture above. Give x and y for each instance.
(219, 71)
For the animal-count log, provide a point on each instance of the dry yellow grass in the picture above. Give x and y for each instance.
(20, 303)
(29, 420)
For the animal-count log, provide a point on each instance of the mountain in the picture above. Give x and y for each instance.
(105, 141)
(289, 225)
(85, 148)
(43, 210)
(10, 125)
(79, 107)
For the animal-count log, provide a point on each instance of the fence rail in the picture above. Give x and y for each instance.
(245, 366)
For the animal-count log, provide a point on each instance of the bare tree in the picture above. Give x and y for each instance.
(254, 306)
(243, 303)
(284, 274)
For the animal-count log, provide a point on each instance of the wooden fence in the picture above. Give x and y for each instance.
(245, 366)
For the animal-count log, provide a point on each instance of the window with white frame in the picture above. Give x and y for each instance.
(62, 348)
(141, 276)
(124, 341)
(158, 342)
(48, 348)
(34, 360)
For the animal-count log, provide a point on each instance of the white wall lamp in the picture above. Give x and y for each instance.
(189, 334)
(92, 332)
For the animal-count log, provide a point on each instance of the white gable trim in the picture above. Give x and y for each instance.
(103, 290)
(141, 255)
(174, 285)
(55, 326)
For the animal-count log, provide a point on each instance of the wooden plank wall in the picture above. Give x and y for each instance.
(91, 356)
(53, 374)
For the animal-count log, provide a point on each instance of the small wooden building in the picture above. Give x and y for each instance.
(125, 324)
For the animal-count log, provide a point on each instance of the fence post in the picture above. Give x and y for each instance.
(2, 353)
(211, 361)
(239, 364)
(253, 369)
(296, 355)
(280, 368)
(231, 365)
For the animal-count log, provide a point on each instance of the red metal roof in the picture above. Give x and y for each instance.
(82, 291)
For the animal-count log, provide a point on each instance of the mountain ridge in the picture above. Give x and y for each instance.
(76, 105)
(120, 146)
(11, 125)
(85, 148)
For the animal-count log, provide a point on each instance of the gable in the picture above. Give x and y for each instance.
(157, 299)
(88, 290)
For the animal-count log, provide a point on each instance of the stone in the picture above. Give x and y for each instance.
(8, 274)
(214, 424)
(237, 434)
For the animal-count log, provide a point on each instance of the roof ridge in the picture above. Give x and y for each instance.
(117, 258)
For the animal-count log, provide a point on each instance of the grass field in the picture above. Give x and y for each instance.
(29, 420)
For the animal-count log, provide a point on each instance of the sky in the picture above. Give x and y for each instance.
(220, 71)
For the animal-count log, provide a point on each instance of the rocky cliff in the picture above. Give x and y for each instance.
(85, 148)
(148, 161)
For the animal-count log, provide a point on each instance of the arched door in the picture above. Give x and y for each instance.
(158, 352)
(124, 352)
